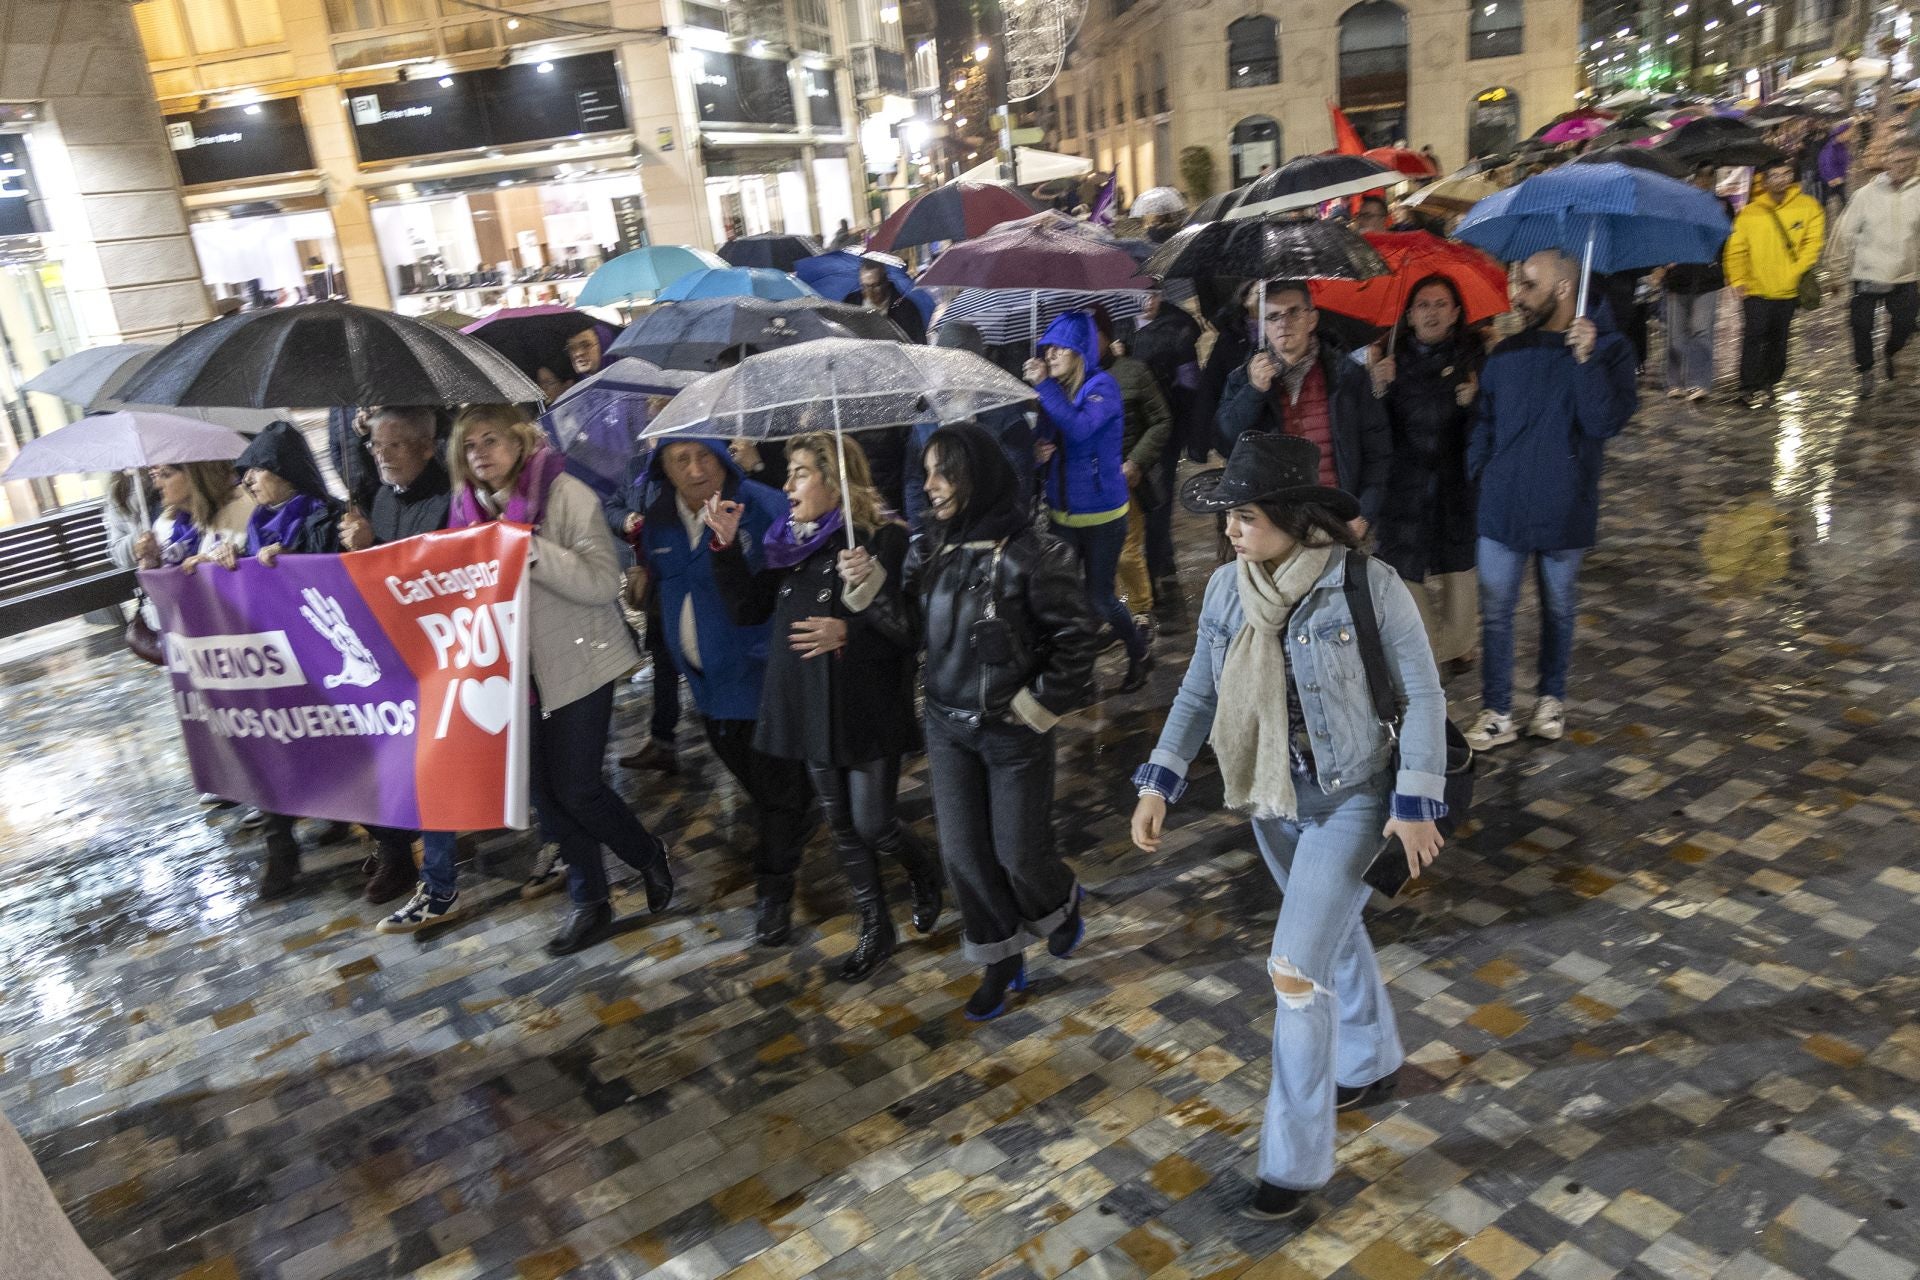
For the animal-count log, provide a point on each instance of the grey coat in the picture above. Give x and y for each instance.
(576, 638)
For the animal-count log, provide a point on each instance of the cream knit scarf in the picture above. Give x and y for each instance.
(1250, 730)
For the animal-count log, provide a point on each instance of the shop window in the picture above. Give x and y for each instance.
(704, 16)
(1496, 29)
(1069, 121)
(1493, 122)
(1161, 102)
(1100, 112)
(1255, 147)
(1253, 51)
(1373, 70)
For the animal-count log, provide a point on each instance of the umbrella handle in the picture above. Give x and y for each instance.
(1033, 321)
(1586, 274)
(840, 448)
(1260, 313)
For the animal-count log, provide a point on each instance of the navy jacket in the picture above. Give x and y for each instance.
(1362, 437)
(1539, 437)
(733, 659)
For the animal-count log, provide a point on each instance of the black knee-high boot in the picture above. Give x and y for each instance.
(877, 939)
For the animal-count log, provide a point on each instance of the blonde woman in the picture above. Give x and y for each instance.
(839, 689)
(202, 509)
(578, 645)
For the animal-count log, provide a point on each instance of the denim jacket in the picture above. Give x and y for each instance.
(1351, 747)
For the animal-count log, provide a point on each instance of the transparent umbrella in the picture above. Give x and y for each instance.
(838, 385)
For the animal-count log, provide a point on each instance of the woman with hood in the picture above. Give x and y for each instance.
(838, 691)
(1427, 531)
(1082, 433)
(579, 646)
(1010, 646)
(293, 514)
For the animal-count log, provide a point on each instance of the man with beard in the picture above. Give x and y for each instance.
(1550, 396)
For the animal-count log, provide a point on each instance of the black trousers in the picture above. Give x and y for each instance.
(992, 791)
(666, 678)
(782, 798)
(1903, 311)
(861, 803)
(1767, 324)
(568, 782)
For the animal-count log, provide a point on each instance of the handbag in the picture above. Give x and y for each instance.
(1811, 289)
(142, 640)
(1373, 656)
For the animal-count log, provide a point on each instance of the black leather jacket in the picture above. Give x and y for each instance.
(1039, 591)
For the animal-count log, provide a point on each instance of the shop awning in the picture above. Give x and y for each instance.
(1031, 165)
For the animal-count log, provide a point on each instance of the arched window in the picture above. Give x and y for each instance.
(1254, 145)
(1253, 51)
(1373, 70)
(1496, 29)
(1161, 102)
(1493, 122)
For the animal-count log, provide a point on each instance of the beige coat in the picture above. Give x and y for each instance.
(36, 1240)
(576, 636)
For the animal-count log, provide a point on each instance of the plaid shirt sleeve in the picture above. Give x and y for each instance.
(1417, 808)
(1161, 780)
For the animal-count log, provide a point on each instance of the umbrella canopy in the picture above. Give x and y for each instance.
(1721, 140)
(92, 375)
(1611, 217)
(1578, 129)
(1412, 256)
(1621, 134)
(1404, 161)
(1578, 113)
(642, 273)
(123, 441)
(1006, 316)
(448, 319)
(775, 249)
(1038, 254)
(1861, 71)
(1216, 207)
(696, 335)
(1305, 181)
(536, 337)
(1649, 158)
(322, 355)
(735, 282)
(835, 276)
(957, 211)
(1300, 249)
(1452, 195)
(1156, 201)
(838, 384)
(628, 379)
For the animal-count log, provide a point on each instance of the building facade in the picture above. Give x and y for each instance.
(454, 155)
(1247, 81)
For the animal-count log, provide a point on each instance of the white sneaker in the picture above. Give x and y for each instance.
(421, 910)
(547, 874)
(1491, 729)
(1676, 393)
(1549, 720)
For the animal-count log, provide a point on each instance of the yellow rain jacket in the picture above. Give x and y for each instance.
(1773, 245)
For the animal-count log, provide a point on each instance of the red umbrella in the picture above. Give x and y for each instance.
(1412, 256)
(956, 211)
(1404, 160)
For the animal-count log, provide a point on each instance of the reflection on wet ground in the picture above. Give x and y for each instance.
(1660, 1004)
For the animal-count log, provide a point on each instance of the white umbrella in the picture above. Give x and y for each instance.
(122, 442)
(1859, 70)
(91, 375)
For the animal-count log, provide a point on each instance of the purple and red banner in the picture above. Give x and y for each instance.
(387, 686)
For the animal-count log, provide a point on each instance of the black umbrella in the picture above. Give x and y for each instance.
(1720, 140)
(533, 337)
(774, 249)
(1272, 249)
(1637, 158)
(323, 355)
(1305, 181)
(695, 334)
(1622, 133)
(1215, 207)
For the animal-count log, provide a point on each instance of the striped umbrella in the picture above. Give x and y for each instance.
(1006, 316)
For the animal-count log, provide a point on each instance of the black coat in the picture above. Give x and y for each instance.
(846, 709)
(1426, 525)
(421, 509)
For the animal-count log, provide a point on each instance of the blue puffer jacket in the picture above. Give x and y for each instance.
(733, 658)
(1539, 437)
(1084, 476)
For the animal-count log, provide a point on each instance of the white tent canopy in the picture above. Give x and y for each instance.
(1862, 71)
(1030, 164)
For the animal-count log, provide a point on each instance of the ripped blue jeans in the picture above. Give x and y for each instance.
(1342, 1031)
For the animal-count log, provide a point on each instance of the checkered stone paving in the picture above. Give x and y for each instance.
(1660, 1002)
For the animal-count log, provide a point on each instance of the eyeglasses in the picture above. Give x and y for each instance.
(1287, 315)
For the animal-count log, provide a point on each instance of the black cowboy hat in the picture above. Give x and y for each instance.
(1266, 466)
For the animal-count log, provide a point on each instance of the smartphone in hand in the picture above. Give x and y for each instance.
(1388, 871)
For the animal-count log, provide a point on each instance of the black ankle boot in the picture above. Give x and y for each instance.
(924, 874)
(658, 877)
(877, 938)
(774, 924)
(585, 928)
(394, 872)
(989, 999)
(1272, 1203)
(1066, 935)
(283, 866)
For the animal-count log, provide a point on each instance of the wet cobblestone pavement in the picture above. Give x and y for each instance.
(1662, 1005)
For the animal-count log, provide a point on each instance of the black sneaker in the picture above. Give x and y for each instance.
(1275, 1204)
(1361, 1097)
(586, 927)
(1066, 936)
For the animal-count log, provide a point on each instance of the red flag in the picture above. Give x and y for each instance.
(1346, 138)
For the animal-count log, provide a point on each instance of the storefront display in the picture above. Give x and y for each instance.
(497, 107)
(268, 257)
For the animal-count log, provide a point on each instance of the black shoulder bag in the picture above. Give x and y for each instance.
(1373, 655)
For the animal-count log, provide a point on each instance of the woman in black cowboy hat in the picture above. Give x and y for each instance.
(1279, 688)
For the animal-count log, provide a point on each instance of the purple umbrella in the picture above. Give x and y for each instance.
(1038, 254)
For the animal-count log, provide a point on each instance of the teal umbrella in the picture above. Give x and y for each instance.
(736, 282)
(643, 273)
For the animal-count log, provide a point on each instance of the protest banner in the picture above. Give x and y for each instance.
(387, 686)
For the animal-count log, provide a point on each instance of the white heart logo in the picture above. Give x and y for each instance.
(488, 703)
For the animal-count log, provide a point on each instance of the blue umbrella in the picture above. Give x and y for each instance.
(775, 249)
(1612, 217)
(643, 273)
(836, 276)
(735, 282)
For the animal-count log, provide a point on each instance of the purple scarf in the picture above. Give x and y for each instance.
(270, 526)
(183, 539)
(527, 504)
(784, 546)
